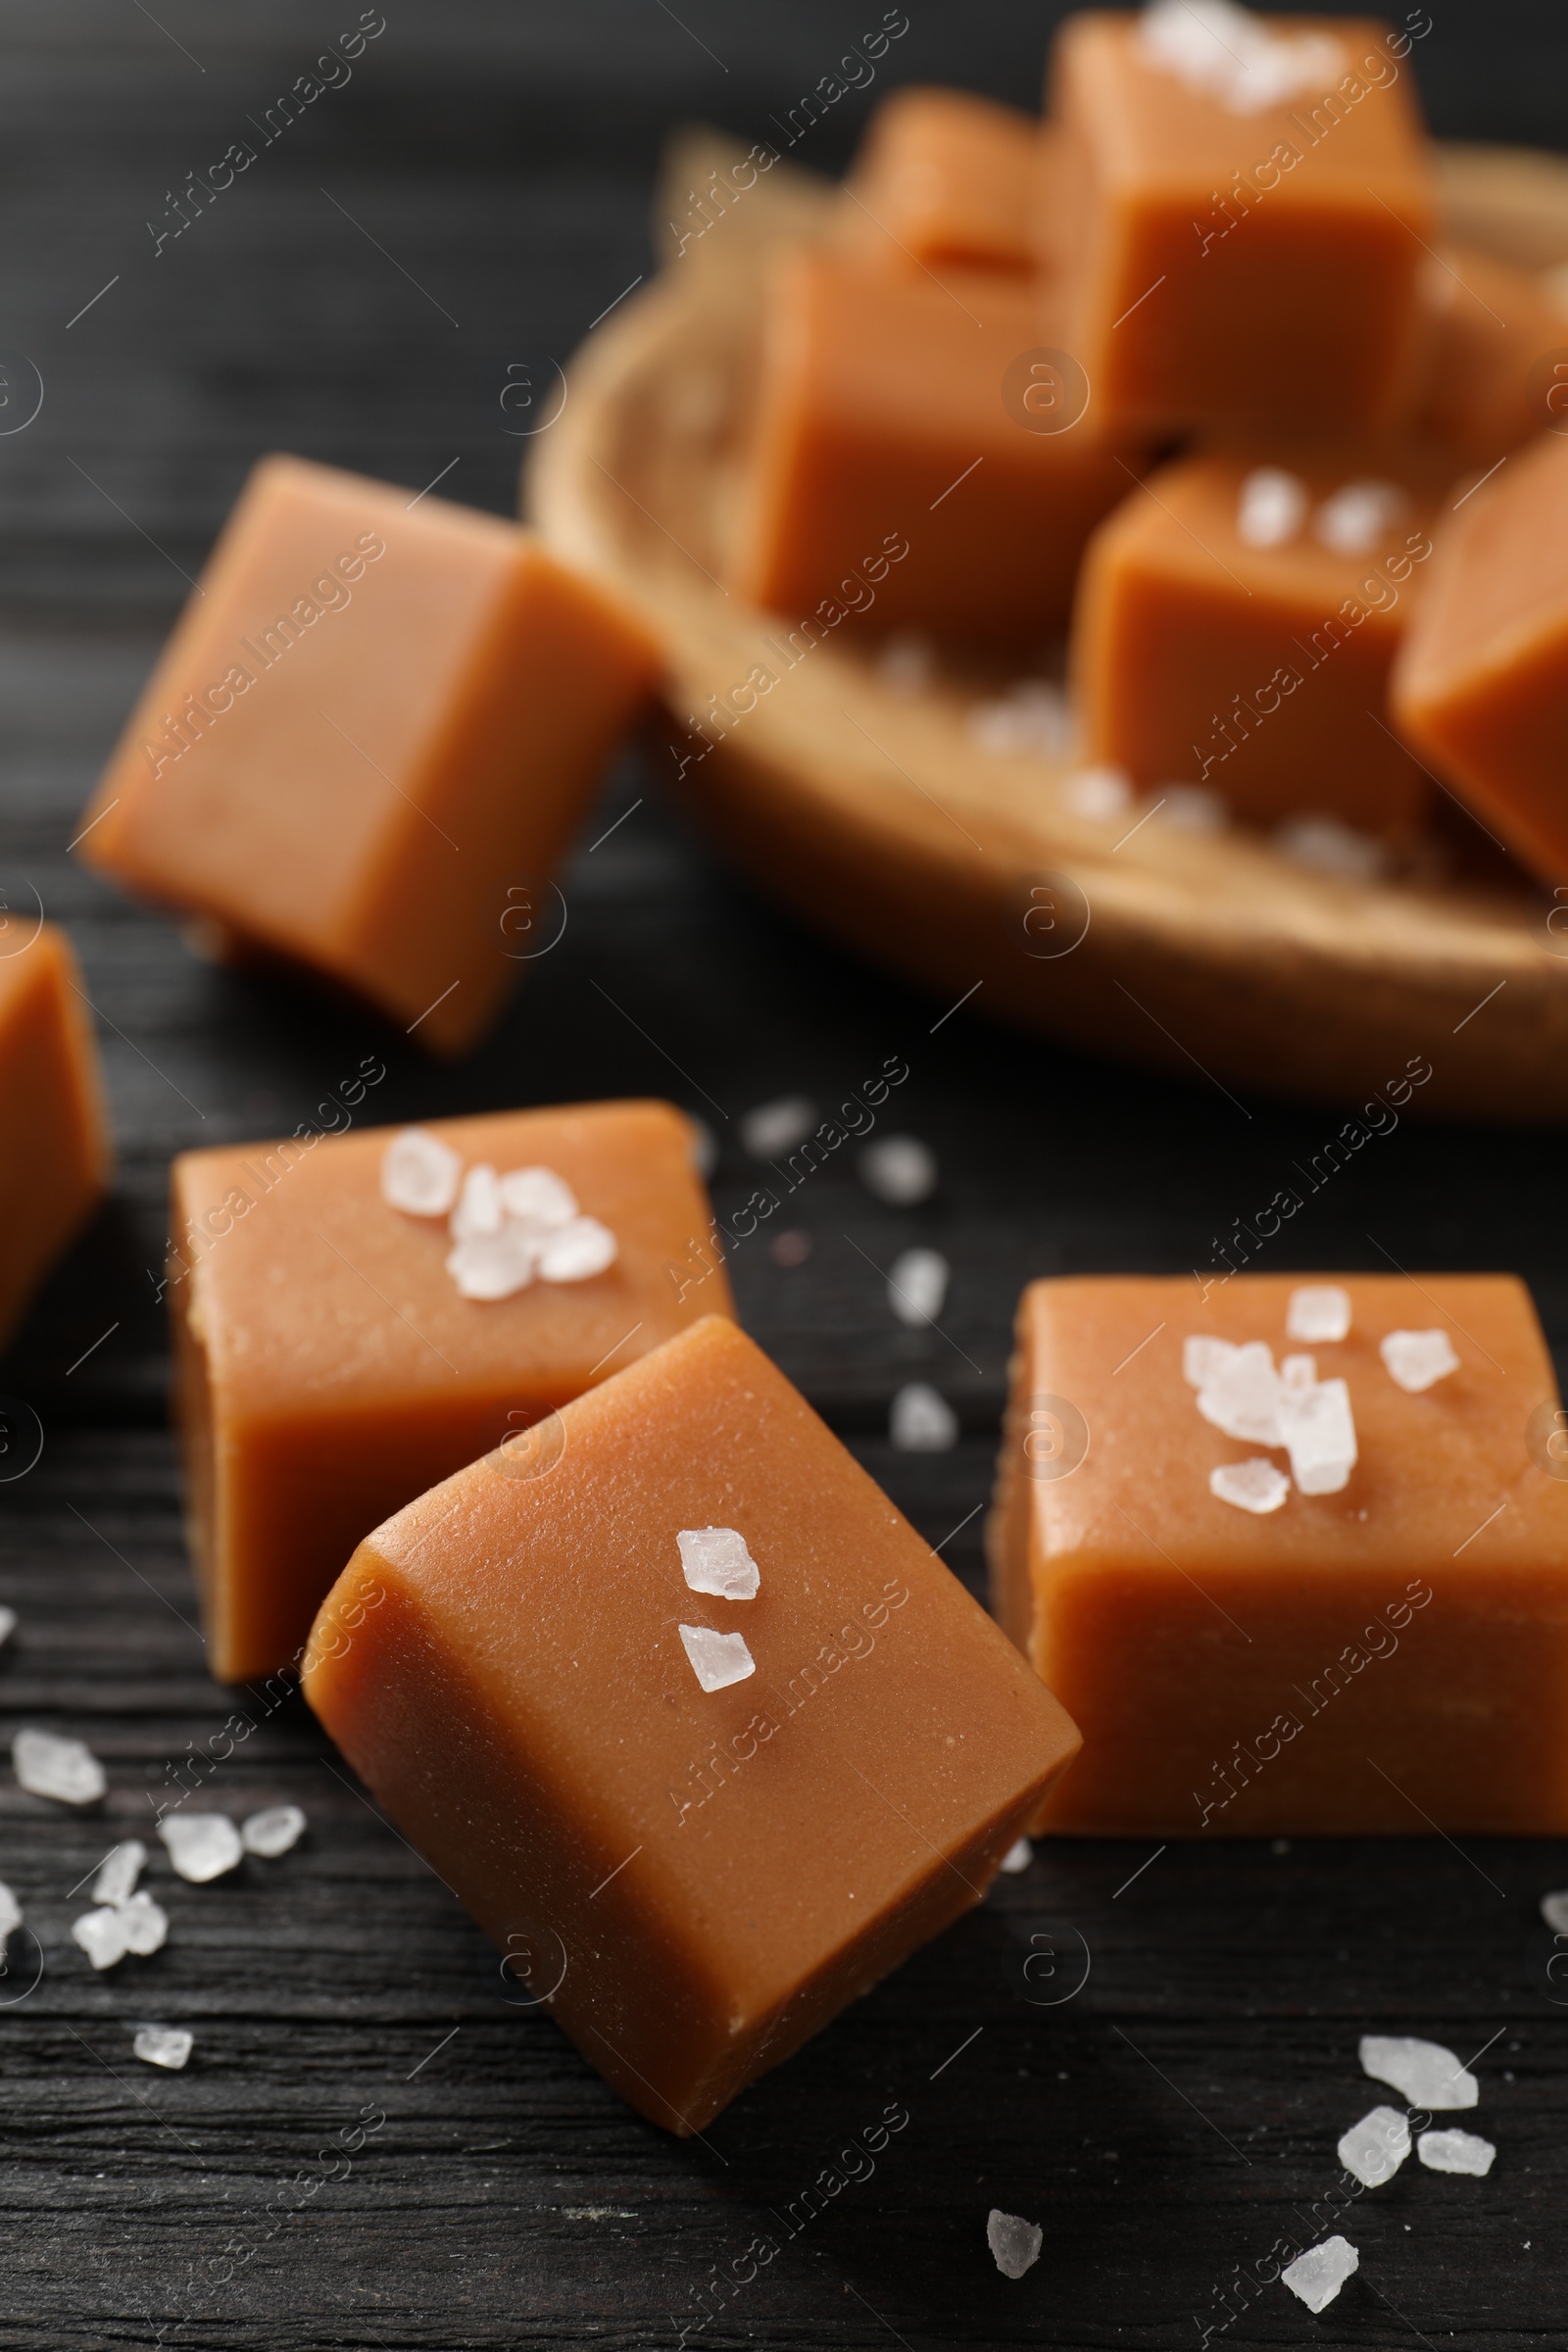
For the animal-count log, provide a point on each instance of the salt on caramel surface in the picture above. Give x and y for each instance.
(55, 1150)
(1387, 1659)
(329, 1368)
(695, 1880)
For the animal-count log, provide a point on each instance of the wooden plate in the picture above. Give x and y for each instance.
(876, 816)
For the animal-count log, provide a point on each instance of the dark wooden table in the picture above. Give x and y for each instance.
(372, 2145)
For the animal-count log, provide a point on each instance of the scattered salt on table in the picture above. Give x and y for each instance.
(715, 1559)
(774, 1128)
(1192, 808)
(102, 1936)
(119, 1872)
(1375, 2148)
(1014, 2243)
(201, 1846)
(906, 662)
(1422, 2071)
(164, 2045)
(10, 1913)
(705, 1147)
(918, 1286)
(1255, 1486)
(1018, 1856)
(1271, 508)
(146, 1925)
(1319, 1311)
(272, 1831)
(1456, 2152)
(8, 1624)
(1100, 794)
(420, 1173)
(64, 1769)
(1418, 1360)
(900, 1170)
(1317, 2276)
(921, 1421)
(1318, 1431)
(1555, 1911)
(1034, 717)
(717, 1659)
(1323, 843)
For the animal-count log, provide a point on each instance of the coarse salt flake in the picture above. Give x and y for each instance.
(717, 1659)
(479, 1212)
(1330, 847)
(1271, 509)
(1318, 1430)
(1422, 2071)
(119, 1872)
(1193, 809)
(10, 1913)
(1456, 2152)
(900, 1170)
(272, 1831)
(1319, 1311)
(1203, 1358)
(1353, 520)
(918, 1286)
(774, 1128)
(201, 1846)
(1242, 1394)
(1299, 1372)
(65, 1769)
(490, 1266)
(420, 1173)
(1221, 51)
(1375, 2148)
(1555, 1911)
(146, 1925)
(101, 1933)
(1014, 2243)
(164, 2045)
(539, 1196)
(1316, 2277)
(1018, 1856)
(1418, 1360)
(1255, 1486)
(577, 1251)
(715, 1559)
(906, 662)
(922, 1421)
(8, 1624)
(1100, 794)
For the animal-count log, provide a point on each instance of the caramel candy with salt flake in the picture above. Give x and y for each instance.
(1493, 333)
(1380, 1659)
(696, 1823)
(368, 741)
(54, 1131)
(337, 1355)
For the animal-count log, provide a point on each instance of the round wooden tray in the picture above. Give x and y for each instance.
(876, 816)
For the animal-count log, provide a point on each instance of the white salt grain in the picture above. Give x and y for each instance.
(715, 1559)
(1456, 2152)
(201, 1846)
(420, 1173)
(1223, 52)
(164, 2045)
(1353, 520)
(1255, 1486)
(65, 1769)
(1299, 1372)
(1418, 1360)
(1203, 1358)
(145, 1923)
(921, 1421)
(705, 1147)
(1375, 2148)
(539, 1196)
(1242, 1394)
(1192, 808)
(1317, 2276)
(272, 1831)
(494, 1265)
(1323, 843)
(1100, 794)
(10, 1913)
(102, 1936)
(918, 1286)
(900, 1170)
(774, 1128)
(1422, 2071)
(8, 1624)
(717, 1659)
(1014, 2243)
(1318, 1430)
(1319, 1311)
(119, 1872)
(479, 1212)
(1032, 719)
(1555, 1911)
(579, 1250)
(1018, 1856)
(1271, 509)
(906, 662)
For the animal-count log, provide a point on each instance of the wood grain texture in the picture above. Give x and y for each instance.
(1166, 2121)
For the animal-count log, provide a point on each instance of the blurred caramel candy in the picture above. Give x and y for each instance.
(945, 178)
(54, 1132)
(1495, 334)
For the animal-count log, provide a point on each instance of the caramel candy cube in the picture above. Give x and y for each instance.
(53, 1130)
(698, 1822)
(944, 179)
(903, 467)
(1236, 622)
(1250, 205)
(1294, 1554)
(368, 741)
(1481, 687)
(1493, 335)
(357, 1315)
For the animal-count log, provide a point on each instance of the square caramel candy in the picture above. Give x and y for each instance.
(357, 1315)
(1236, 623)
(907, 465)
(1494, 371)
(945, 180)
(1294, 1554)
(1250, 199)
(368, 741)
(54, 1131)
(687, 1715)
(1480, 686)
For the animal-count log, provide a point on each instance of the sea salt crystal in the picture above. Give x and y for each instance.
(717, 1659)
(1555, 1911)
(1418, 1360)
(1299, 1372)
(1223, 52)
(1317, 2276)
(1242, 1394)
(479, 1212)
(119, 1872)
(918, 1286)
(1319, 1311)
(1456, 2152)
(1323, 843)
(774, 1128)
(539, 1196)
(10, 1913)
(1203, 1358)
(66, 1769)
(494, 1265)
(580, 1250)
(1318, 1430)
(102, 1936)
(1018, 1856)
(900, 1170)
(1255, 1486)
(420, 1173)
(1192, 808)
(146, 1925)
(1033, 718)
(1100, 794)
(715, 1559)
(1014, 2243)
(1375, 2148)
(1271, 509)
(1353, 520)
(201, 1846)
(922, 1421)
(272, 1831)
(164, 2045)
(906, 662)
(1422, 2071)
(705, 1147)
(8, 1624)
